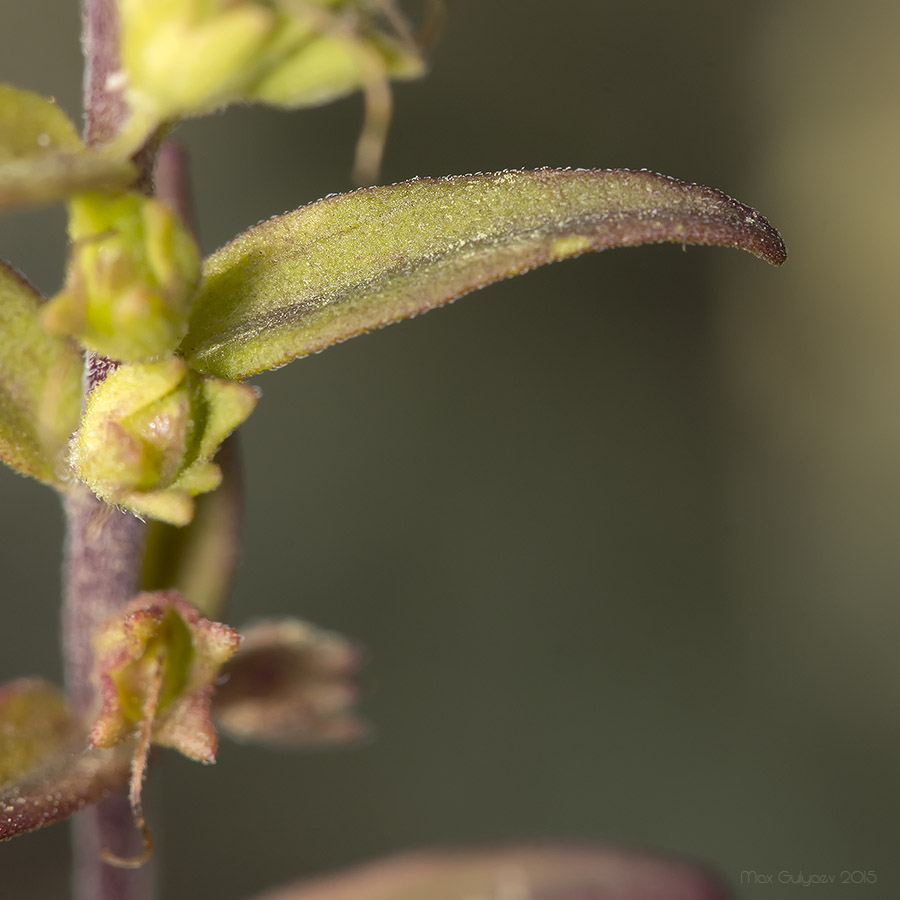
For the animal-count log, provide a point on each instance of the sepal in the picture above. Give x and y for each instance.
(160, 643)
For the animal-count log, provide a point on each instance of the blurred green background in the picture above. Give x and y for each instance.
(621, 537)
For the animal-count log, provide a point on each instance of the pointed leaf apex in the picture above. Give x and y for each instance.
(354, 262)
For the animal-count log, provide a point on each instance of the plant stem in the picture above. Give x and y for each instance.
(103, 553)
(105, 111)
(104, 547)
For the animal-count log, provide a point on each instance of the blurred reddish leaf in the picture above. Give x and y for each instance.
(289, 683)
(46, 772)
(538, 872)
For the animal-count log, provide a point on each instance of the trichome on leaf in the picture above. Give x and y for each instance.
(353, 262)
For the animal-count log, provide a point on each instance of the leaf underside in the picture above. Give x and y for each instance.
(300, 282)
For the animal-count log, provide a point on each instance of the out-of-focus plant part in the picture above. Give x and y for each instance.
(41, 156)
(198, 560)
(149, 433)
(353, 262)
(539, 872)
(188, 57)
(132, 272)
(46, 772)
(40, 385)
(35, 725)
(289, 683)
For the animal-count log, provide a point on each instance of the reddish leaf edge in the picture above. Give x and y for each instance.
(710, 217)
(749, 230)
(745, 228)
(63, 789)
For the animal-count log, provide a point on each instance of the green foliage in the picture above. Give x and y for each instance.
(350, 263)
(42, 158)
(40, 385)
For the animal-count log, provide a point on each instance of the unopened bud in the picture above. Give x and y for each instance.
(131, 278)
(188, 57)
(149, 433)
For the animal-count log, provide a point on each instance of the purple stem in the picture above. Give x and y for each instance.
(172, 179)
(104, 110)
(104, 547)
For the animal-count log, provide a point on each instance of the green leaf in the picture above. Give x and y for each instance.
(353, 262)
(41, 156)
(45, 772)
(40, 384)
(31, 124)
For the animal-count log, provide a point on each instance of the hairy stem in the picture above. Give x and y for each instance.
(103, 547)
(103, 553)
(102, 559)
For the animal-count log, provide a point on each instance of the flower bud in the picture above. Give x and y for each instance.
(149, 433)
(188, 57)
(160, 647)
(332, 59)
(131, 278)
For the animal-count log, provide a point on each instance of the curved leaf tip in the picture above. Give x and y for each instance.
(350, 263)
